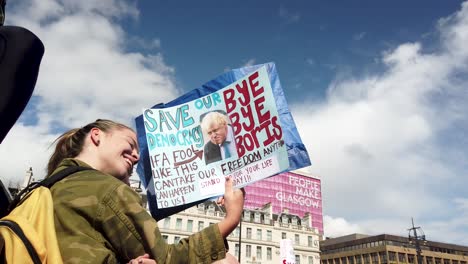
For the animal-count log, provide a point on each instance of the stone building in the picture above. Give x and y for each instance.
(256, 239)
(388, 249)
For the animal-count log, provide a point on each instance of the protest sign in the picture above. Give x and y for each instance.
(185, 114)
(287, 252)
(234, 132)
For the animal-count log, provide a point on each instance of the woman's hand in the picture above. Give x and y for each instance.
(233, 201)
(229, 259)
(145, 259)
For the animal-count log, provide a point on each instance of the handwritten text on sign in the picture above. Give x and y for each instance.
(178, 145)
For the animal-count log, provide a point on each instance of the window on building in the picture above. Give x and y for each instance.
(392, 256)
(296, 239)
(454, 261)
(236, 250)
(383, 257)
(446, 261)
(310, 260)
(248, 251)
(283, 235)
(249, 233)
(294, 220)
(269, 253)
(189, 225)
(429, 260)
(401, 257)
(165, 237)
(410, 258)
(237, 232)
(358, 259)
(269, 235)
(259, 253)
(178, 224)
(167, 222)
(310, 241)
(438, 260)
(375, 257)
(257, 218)
(366, 258)
(176, 239)
(211, 209)
(298, 259)
(259, 234)
(351, 260)
(343, 260)
(246, 216)
(201, 225)
(284, 219)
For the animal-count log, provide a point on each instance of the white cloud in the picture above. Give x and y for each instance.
(86, 73)
(144, 43)
(359, 36)
(288, 16)
(310, 61)
(248, 63)
(335, 227)
(381, 142)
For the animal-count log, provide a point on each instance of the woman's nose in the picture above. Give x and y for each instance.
(136, 156)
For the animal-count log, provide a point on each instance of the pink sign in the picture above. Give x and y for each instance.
(298, 193)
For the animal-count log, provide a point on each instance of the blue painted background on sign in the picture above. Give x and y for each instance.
(297, 153)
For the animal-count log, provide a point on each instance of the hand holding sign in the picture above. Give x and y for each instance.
(233, 201)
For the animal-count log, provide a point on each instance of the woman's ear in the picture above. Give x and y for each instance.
(95, 135)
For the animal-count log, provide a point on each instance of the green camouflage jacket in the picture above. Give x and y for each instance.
(99, 219)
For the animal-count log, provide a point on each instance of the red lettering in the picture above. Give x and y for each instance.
(244, 91)
(259, 106)
(278, 131)
(236, 126)
(249, 141)
(254, 85)
(269, 137)
(229, 100)
(247, 114)
(240, 146)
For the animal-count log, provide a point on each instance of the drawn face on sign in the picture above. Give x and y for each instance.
(217, 133)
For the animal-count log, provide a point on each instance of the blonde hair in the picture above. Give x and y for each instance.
(70, 143)
(213, 118)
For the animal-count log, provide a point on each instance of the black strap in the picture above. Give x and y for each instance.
(47, 182)
(19, 232)
(5, 200)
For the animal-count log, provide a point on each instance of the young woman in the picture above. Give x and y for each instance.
(99, 218)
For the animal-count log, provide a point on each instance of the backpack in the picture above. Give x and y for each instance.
(27, 233)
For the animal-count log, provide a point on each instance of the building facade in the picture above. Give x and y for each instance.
(257, 238)
(388, 249)
(297, 191)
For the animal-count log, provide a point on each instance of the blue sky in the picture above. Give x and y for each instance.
(377, 90)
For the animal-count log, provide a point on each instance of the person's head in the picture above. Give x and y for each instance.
(214, 125)
(105, 145)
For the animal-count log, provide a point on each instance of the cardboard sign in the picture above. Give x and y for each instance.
(185, 155)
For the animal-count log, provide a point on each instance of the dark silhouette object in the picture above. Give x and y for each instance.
(20, 56)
